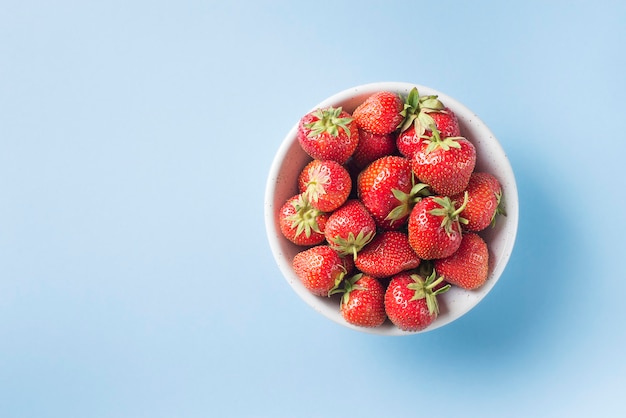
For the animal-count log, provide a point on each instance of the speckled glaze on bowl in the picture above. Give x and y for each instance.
(290, 159)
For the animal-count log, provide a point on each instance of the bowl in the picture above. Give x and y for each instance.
(290, 160)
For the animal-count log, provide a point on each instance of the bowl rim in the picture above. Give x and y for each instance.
(274, 235)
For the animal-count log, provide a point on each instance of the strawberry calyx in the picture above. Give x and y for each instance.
(448, 212)
(407, 200)
(339, 280)
(304, 220)
(319, 176)
(500, 209)
(416, 111)
(349, 285)
(352, 244)
(435, 141)
(411, 109)
(328, 121)
(426, 288)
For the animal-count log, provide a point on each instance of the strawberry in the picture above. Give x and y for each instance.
(434, 227)
(301, 223)
(372, 147)
(363, 301)
(321, 269)
(328, 134)
(327, 184)
(445, 164)
(350, 228)
(497, 189)
(380, 113)
(468, 267)
(483, 201)
(387, 190)
(445, 121)
(408, 142)
(387, 254)
(411, 301)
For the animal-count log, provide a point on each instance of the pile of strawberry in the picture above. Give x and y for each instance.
(389, 209)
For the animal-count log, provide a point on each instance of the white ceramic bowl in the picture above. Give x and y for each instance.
(290, 159)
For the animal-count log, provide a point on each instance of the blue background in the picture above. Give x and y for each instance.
(135, 275)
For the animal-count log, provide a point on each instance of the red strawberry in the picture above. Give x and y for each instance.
(387, 190)
(380, 113)
(328, 134)
(372, 147)
(326, 183)
(445, 164)
(483, 201)
(321, 269)
(468, 267)
(350, 228)
(408, 141)
(389, 253)
(495, 184)
(497, 189)
(444, 120)
(446, 123)
(411, 301)
(363, 301)
(301, 223)
(434, 227)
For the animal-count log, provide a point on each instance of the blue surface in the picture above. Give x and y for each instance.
(135, 275)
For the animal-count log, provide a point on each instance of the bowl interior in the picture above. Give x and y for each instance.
(290, 159)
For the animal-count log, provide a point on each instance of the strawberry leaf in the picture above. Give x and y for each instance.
(338, 281)
(351, 245)
(349, 285)
(423, 121)
(448, 212)
(304, 220)
(328, 121)
(319, 176)
(424, 289)
(407, 200)
(410, 110)
(431, 104)
(500, 209)
(418, 287)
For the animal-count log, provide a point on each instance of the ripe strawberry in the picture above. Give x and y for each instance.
(497, 189)
(328, 134)
(468, 267)
(380, 113)
(408, 142)
(301, 223)
(363, 301)
(350, 228)
(483, 201)
(445, 164)
(446, 122)
(411, 301)
(387, 190)
(321, 269)
(435, 227)
(327, 184)
(387, 254)
(372, 147)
